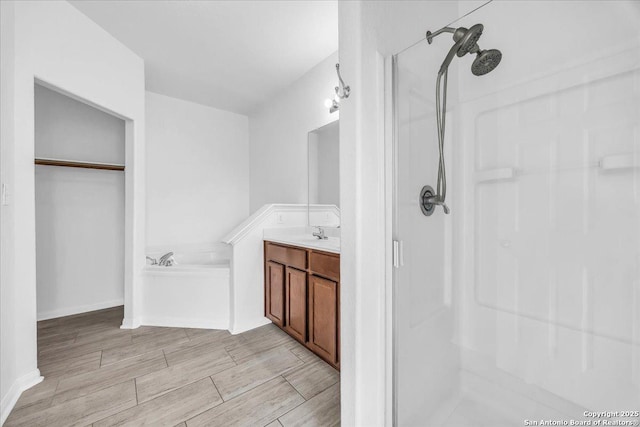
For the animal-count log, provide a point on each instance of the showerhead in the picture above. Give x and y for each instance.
(486, 61)
(468, 39)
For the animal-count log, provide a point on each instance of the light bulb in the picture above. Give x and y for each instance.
(328, 103)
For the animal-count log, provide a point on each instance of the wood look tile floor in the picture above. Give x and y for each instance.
(99, 375)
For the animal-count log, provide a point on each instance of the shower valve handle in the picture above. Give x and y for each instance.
(429, 200)
(435, 200)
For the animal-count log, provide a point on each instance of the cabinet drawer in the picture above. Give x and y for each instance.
(288, 256)
(325, 265)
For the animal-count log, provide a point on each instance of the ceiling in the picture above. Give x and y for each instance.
(232, 55)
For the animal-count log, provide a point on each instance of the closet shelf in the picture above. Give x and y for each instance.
(77, 164)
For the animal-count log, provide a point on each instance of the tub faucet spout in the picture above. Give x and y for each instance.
(166, 259)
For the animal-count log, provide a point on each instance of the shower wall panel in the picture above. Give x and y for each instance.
(550, 301)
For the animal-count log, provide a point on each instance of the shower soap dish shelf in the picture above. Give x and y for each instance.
(498, 174)
(619, 161)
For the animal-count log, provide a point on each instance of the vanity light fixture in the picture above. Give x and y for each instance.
(332, 104)
(342, 92)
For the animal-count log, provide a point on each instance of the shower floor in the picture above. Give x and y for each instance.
(467, 410)
(494, 401)
(472, 411)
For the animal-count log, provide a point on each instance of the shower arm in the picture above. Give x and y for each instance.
(454, 49)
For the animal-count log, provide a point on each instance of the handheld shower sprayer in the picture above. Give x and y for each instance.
(466, 41)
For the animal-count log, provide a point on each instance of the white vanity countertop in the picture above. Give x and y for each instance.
(299, 236)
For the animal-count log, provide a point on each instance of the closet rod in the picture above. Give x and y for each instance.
(76, 164)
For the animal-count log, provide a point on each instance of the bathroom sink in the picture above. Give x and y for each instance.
(313, 239)
(331, 244)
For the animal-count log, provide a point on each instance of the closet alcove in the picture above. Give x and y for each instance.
(80, 205)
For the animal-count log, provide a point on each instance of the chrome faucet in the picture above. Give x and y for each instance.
(166, 259)
(153, 260)
(320, 234)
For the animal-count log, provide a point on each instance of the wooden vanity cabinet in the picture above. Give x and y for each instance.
(296, 304)
(323, 318)
(302, 296)
(274, 289)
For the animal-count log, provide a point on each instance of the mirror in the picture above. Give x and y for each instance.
(323, 170)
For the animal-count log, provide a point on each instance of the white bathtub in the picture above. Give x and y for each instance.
(193, 293)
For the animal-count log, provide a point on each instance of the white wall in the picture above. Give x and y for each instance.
(9, 373)
(56, 44)
(79, 212)
(197, 172)
(71, 130)
(278, 136)
(80, 240)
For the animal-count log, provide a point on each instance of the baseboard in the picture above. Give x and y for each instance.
(79, 309)
(247, 326)
(16, 389)
(179, 322)
(130, 323)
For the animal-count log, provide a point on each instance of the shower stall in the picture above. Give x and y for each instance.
(522, 305)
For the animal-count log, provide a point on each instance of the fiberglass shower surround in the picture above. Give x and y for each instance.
(466, 41)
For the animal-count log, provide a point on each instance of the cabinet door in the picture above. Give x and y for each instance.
(274, 292)
(296, 304)
(323, 318)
